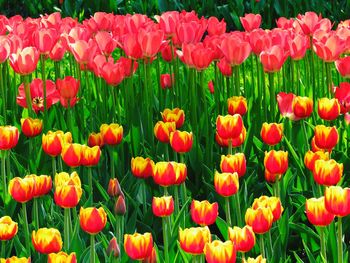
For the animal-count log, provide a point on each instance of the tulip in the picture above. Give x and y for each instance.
(105, 42)
(259, 259)
(15, 259)
(192, 240)
(120, 206)
(150, 42)
(71, 154)
(298, 46)
(229, 127)
(337, 200)
(316, 212)
(326, 137)
(113, 248)
(162, 130)
(138, 246)
(237, 105)
(328, 109)
(113, 73)
(259, 219)
(251, 22)
(273, 59)
(330, 48)
(68, 189)
(211, 87)
(342, 93)
(343, 66)
(327, 172)
(271, 178)
(166, 81)
(271, 133)
(181, 141)
(92, 220)
(235, 50)
(8, 137)
(47, 240)
(243, 238)
(204, 213)
(234, 164)
(42, 184)
(90, 156)
(21, 189)
(274, 203)
(68, 89)
(112, 134)
(201, 56)
(83, 50)
(175, 115)
(24, 61)
(114, 188)
(52, 142)
(62, 257)
(225, 68)
(311, 157)
(142, 167)
(285, 104)
(95, 139)
(216, 27)
(302, 107)
(8, 228)
(220, 252)
(36, 95)
(276, 162)
(309, 22)
(164, 173)
(226, 184)
(58, 51)
(181, 173)
(163, 206)
(45, 39)
(31, 127)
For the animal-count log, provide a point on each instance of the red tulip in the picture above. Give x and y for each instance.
(37, 95)
(309, 22)
(189, 32)
(68, 89)
(330, 48)
(113, 73)
(225, 68)
(216, 27)
(342, 93)
(5, 48)
(105, 42)
(83, 50)
(201, 57)
(45, 39)
(273, 59)
(211, 87)
(298, 46)
(168, 22)
(343, 66)
(235, 50)
(251, 22)
(150, 42)
(166, 81)
(24, 61)
(57, 52)
(131, 47)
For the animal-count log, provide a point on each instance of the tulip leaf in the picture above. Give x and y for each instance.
(223, 227)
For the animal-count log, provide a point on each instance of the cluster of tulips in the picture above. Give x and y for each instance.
(252, 92)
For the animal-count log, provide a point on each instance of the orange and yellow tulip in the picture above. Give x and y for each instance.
(235, 163)
(327, 172)
(229, 126)
(311, 157)
(62, 257)
(138, 246)
(328, 109)
(42, 184)
(237, 105)
(90, 156)
(68, 190)
(8, 137)
(337, 200)
(259, 219)
(71, 154)
(326, 137)
(15, 259)
(235, 142)
(302, 107)
(271, 133)
(8, 228)
(21, 189)
(243, 238)
(175, 115)
(47, 240)
(163, 206)
(204, 213)
(95, 139)
(112, 134)
(316, 212)
(162, 130)
(52, 142)
(258, 259)
(276, 162)
(220, 252)
(92, 220)
(274, 203)
(181, 141)
(226, 184)
(142, 167)
(192, 240)
(164, 173)
(31, 127)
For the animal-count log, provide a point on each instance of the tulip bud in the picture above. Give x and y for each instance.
(113, 248)
(114, 188)
(120, 206)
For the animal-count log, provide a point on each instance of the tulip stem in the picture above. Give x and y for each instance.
(262, 246)
(237, 84)
(66, 228)
(144, 197)
(90, 185)
(328, 78)
(340, 240)
(26, 228)
(3, 249)
(3, 94)
(53, 161)
(229, 146)
(43, 77)
(92, 248)
(323, 245)
(227, 210)
(28, 95)
(3, 171)
(165, 238)
(305, 133)
(119, 232)
(112, 162)
(238, 207)
(272, 97)
(277, 187)
(36, 213)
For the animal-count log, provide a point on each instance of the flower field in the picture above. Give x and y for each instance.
(129, 138)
